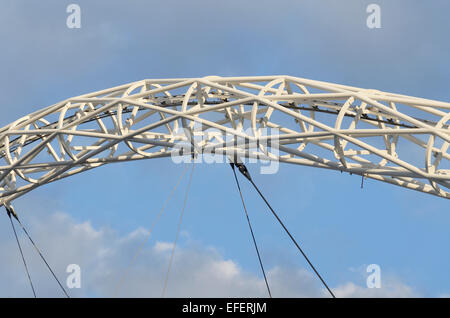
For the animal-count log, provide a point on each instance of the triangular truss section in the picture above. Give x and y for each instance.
(394, 138)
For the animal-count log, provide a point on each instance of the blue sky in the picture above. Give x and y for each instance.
(341, 227)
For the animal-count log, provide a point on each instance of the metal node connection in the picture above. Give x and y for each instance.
(388, 137)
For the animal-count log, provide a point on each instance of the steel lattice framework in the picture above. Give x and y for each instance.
(389, 137)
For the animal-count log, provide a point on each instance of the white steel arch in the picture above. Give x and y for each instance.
(394, 138)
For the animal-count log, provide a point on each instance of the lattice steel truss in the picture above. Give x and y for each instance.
(389, 137)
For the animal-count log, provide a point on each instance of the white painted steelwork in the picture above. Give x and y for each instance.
(389, 137)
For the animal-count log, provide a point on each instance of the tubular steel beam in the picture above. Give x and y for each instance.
(394, 138)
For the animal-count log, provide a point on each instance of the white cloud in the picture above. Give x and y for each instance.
(395, 289)
(104, 256)
(163, 246)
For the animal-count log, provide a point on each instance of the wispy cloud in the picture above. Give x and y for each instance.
(104, 256)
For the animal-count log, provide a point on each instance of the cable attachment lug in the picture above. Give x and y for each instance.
(10, 210)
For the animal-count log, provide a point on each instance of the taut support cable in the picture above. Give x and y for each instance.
(244, 171)
(116, 291)
(10, 210)
(21, 252)
(178, 230)
(251, 230)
